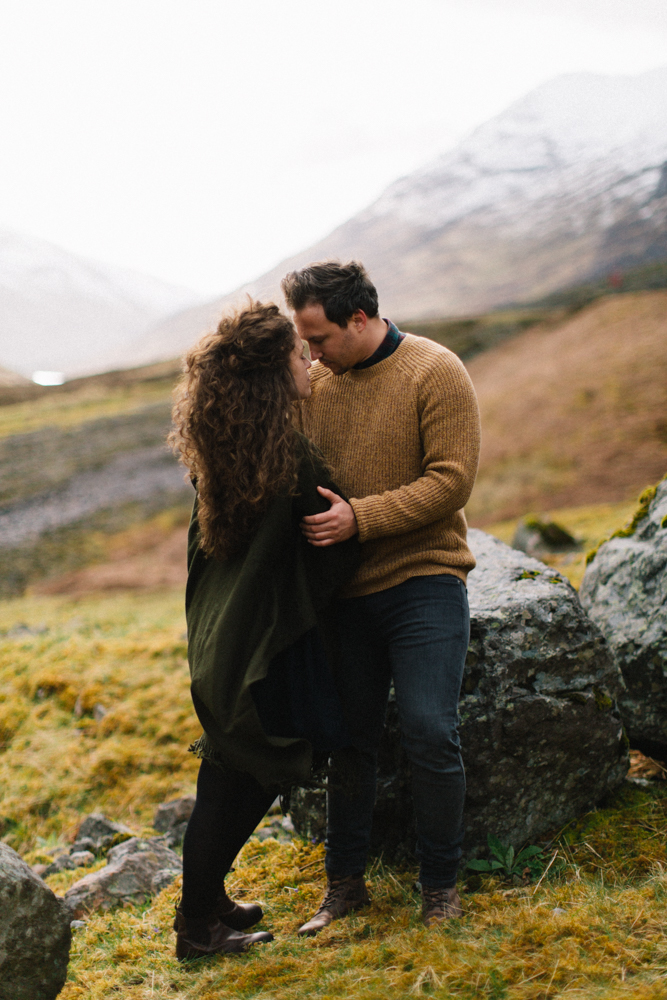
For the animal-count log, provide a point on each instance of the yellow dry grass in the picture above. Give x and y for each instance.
(58, 660)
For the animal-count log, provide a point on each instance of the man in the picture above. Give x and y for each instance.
(396, 416)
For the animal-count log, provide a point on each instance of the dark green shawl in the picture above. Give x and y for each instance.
(243, 611)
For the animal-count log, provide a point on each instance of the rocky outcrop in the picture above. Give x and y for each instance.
(34, 933)
(96, 833)
(625, 593)
(542, 739)
(66, 862)
(137, 869)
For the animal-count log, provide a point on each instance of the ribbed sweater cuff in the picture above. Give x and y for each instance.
(372, 523)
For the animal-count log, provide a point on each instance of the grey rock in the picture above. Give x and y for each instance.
(175, 835)
(97, 832)
(77, 924)
(35, 934)
(173, 813)
(171, 818)
(81, 858)
(83, 844)
(287, 825)
(163, 879)
(278, 828)
(154, 846)
(63, 862)
(542, 739)
(136, 870)
(624, 591)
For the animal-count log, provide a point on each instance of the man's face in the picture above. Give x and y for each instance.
(337, 348)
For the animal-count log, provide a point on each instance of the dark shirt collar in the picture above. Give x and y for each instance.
(387, 347)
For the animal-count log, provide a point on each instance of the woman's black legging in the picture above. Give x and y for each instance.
(228, 808)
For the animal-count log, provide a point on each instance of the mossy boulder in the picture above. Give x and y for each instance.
(624, 591)
(541, 736)
(537, 538)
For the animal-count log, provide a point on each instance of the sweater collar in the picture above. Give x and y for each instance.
(391, 341)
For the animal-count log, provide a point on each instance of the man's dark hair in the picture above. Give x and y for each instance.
(340, 289)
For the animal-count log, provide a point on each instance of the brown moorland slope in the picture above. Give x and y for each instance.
(575, 414)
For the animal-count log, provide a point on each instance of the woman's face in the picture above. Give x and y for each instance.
(299, 365)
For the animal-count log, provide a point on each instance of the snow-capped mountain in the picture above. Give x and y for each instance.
(568, 183)
(61, 312)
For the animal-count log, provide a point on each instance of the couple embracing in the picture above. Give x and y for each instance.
(324, 564)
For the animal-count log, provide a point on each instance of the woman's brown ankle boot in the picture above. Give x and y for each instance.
(238, 916)
(197, 937)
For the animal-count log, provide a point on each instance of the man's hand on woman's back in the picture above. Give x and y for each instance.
(334, 525)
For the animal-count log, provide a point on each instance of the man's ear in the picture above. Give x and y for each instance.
(359, 319)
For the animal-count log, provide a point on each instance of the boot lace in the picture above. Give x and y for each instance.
(336, 893)
(435, 900)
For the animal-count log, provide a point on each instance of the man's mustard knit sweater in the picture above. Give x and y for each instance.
(402, 438)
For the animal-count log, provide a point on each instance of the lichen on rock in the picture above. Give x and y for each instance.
(624, 591)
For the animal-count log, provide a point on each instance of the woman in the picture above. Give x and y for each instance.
(256, 600)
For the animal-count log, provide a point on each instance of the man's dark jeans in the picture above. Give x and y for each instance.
(416, 633)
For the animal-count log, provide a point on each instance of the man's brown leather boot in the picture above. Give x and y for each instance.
(342, 896)
(440, 904)
(238, 916)
(209, 936)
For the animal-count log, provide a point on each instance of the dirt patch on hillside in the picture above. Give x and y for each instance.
(574, 415)
(142, 559)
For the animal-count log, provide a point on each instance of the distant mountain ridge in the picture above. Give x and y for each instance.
(570, 182)
(62, 312)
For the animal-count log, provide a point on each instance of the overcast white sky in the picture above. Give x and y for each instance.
(203, 140)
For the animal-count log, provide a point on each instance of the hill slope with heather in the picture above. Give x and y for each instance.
(574, 413)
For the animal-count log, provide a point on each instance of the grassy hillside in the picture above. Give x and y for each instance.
(26, 408)
(636, 279)
(95, 710)
(476, 334)
(574, 414)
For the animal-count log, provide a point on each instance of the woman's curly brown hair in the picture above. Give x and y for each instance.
(232, 423)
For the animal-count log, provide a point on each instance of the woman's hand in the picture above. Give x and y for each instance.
(334, 525)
